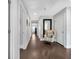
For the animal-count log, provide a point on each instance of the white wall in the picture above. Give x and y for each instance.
(68, 35)
(15, 42)
(62, 26)
(24, 26)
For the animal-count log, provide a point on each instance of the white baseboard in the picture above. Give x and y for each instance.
(24, 46)
(68, 47)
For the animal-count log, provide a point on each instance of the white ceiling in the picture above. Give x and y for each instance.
(38, 8)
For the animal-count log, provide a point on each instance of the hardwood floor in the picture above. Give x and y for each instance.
(41, 50)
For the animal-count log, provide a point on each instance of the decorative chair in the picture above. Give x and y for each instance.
(50, 35)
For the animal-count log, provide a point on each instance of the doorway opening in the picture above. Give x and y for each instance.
(34, 28)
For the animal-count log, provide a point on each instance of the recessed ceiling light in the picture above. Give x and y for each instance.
(35, 13)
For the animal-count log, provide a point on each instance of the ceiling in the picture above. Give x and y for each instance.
(37, 8)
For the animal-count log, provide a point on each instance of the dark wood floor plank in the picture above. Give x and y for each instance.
(41, 50)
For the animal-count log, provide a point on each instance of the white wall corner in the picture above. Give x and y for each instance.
(68, 29)
(67, 46)
(15, 31)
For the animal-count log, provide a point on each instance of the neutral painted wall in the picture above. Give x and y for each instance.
(62, 26)
(15, 21)
(68, 29)
(24, 27)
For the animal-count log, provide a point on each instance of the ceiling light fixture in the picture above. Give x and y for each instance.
(35, 13)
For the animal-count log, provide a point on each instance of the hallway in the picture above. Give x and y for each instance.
(49, 19)
(41, 50)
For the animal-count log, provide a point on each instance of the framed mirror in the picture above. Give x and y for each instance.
(47, 25)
